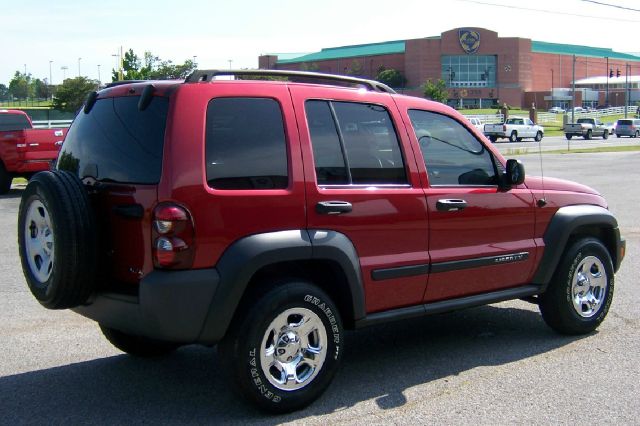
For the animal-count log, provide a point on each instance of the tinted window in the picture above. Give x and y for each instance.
(246, 145)
(10, 122)
(625, 122)
(452, 155)
(363, 132)
(115, 142)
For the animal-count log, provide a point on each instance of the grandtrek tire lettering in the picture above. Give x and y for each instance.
(290, 339)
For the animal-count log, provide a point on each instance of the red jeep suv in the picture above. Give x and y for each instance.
(269, 212)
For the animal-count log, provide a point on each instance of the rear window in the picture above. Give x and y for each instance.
(625, 122)
(116, 142)
(9, 122)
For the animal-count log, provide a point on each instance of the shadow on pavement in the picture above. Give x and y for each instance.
(187, 387)
(14, 192)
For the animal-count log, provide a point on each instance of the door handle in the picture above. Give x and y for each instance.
(451, 205)
(333, 207)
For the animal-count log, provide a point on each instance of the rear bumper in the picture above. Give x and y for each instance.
(171, 306)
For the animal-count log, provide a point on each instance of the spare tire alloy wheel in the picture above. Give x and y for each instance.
(39, 241)
(56, 235)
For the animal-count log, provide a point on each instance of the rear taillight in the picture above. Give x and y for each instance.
(504, 127)
(173, 237)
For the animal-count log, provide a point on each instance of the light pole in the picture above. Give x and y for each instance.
(99, 76)
(79, 59)
(25, 70)
(606, 101)
(50, 78)
(552, 101)
(230, 61)
(64, 69)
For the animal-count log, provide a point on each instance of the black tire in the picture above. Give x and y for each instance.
(588, 136)
(493, 139)
(589, 259)
(137, 345)
(5, 179)
(636, 134)
(617, 135)
(538, 137)
(605, 135)
(568, 136)
(513, 137)
(519, 139)
(61, 271)
(245, 344)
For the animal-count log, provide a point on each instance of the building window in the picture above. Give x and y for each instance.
(469, 71)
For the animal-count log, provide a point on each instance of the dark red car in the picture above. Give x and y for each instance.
(268, 216)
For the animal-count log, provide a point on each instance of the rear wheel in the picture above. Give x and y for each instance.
(56, 236)
(513, 137)
(284, 348)
(5, 179)
(588, 135)
(580, 292)
(137, 345)
(568, 136)
(493, 139)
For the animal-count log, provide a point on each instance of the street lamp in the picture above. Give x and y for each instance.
(99, 80)
(25, 70)
(230, 61)
(64, 69)
(50, 78)
(79, 59)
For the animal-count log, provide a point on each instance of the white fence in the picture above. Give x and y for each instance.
(50, 124)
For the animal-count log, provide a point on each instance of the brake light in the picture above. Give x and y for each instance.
(504, 127)
(173, 237)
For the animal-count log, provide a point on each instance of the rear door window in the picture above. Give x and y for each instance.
(354, 143)
(245, 144)
(116, 142)
(11, 122)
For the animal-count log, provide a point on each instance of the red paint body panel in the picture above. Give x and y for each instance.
(30, 150)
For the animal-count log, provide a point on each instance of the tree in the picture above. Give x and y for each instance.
(20, 86)
(391, 77)
(4, 92)
(72, 93)
(41, 89)
(152, 68)
(436, 91)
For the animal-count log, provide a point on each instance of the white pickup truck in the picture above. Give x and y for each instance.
(514, 128)
(587, 128)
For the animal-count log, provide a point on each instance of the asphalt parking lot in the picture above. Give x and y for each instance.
(498, 364)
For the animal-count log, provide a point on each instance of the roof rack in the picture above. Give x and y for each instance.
(207, 75)
(121, 82)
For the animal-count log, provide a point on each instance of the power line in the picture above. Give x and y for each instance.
(552, 12)
(617, 6)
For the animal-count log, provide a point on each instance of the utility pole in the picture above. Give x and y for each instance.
(50, 80)
(79, 59)
(64, 69)
(606, 102)
(99, 80)
(573, 91)
(626, 89)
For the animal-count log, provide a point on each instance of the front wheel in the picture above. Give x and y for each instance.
(636, 134)
(581, 290)
(605, 135)
(538, 137)
(283, 349)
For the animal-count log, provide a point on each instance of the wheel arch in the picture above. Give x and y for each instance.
(571, 223)
(326, 258)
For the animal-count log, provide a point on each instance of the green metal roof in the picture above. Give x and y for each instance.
(391, 47)
(569, 49)
(385, 48)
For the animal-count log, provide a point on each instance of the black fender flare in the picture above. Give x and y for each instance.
(242, 259)
(566, 221)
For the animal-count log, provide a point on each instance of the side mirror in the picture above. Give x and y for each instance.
(514, 175)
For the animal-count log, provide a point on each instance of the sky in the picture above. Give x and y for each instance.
(35, 32)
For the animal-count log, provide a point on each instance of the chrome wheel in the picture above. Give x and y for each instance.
(294, 348)
(589, 286)
(38, 241)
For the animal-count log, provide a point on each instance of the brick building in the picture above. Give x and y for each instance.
(480, 68)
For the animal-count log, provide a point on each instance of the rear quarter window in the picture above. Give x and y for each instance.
(115, 142)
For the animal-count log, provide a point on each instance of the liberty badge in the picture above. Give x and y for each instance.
(469, 40)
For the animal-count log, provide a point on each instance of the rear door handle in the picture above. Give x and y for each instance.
(451, 205)
(333, 207)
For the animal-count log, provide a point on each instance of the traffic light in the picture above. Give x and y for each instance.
(618, 72)
(610, 72)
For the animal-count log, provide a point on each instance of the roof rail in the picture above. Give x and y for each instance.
(207, 75)
(121, 82)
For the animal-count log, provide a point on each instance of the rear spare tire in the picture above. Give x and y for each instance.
(57, 240)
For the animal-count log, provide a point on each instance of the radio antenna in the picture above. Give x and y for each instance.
(542, 201)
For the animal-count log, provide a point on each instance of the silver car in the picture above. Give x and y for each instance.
(628, 127)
